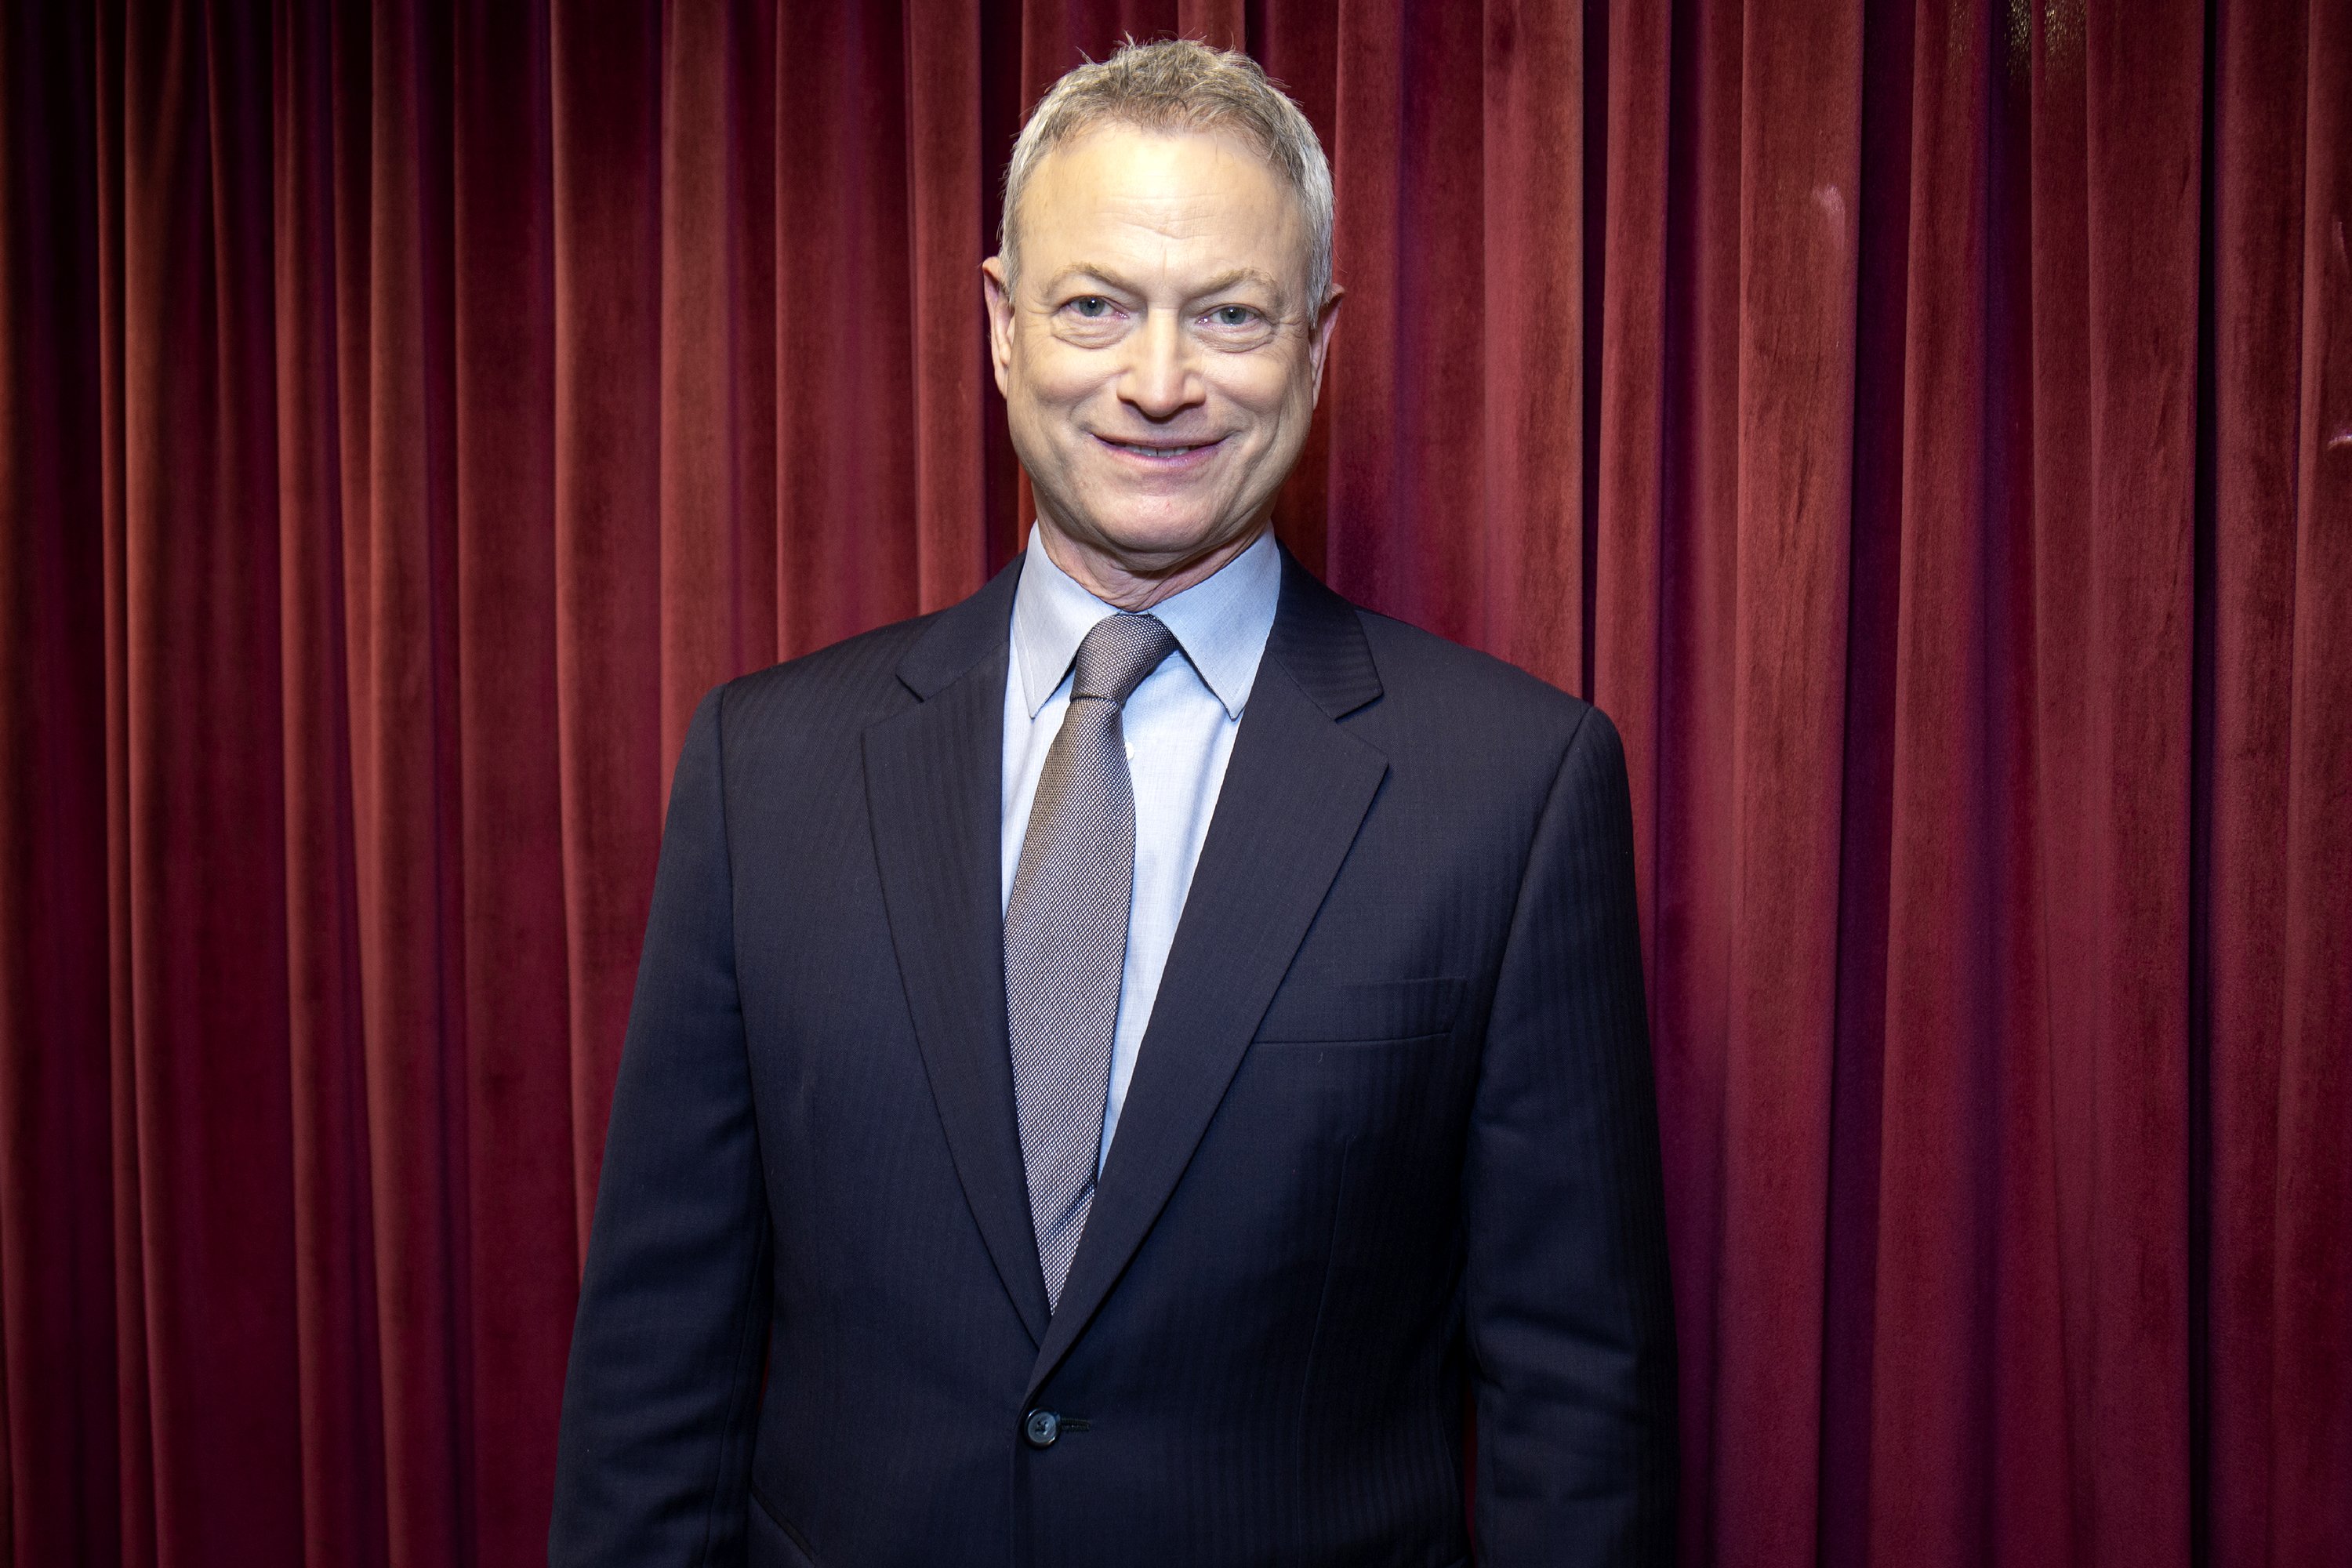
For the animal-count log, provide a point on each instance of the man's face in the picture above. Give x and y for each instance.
(1158, 355)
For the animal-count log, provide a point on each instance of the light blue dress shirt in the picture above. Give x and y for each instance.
(1180, 726)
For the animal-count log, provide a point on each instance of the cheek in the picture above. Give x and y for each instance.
(1055, 376)
(1267, 388)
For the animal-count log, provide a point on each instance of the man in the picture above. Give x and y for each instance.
(1120, 1064)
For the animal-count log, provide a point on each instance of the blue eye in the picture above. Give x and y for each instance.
(1093, 307)
(1232, 315)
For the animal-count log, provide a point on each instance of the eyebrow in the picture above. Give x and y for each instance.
(1086, 271)
(1111, 278)
(1224, 280)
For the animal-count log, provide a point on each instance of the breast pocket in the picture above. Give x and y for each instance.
(1307, 1011)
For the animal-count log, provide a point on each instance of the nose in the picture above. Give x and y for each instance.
(1160, 379)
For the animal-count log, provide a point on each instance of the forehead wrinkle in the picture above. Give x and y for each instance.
(1167, 239)
(1171, 219)
(1151, 245)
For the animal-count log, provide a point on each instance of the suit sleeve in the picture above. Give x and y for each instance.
(670, 1346)
(1566, 1304)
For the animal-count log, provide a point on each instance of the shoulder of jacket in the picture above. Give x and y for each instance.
(1421, 669)
(847, 681)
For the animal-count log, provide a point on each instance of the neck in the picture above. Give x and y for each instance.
(1128, 581)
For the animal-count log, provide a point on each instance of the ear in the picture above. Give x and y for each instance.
(997, 294)
(1318, 342)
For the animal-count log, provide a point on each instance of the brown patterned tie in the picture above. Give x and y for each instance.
(1066, 935)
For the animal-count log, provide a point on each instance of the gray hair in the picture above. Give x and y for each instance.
(1180, 84)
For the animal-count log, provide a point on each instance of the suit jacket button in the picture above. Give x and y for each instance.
(1041, 1427)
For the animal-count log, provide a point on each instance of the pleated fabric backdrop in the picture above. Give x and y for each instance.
(1926, 428)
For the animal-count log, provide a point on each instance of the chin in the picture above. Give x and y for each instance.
(1172, 536)
(1150, 524)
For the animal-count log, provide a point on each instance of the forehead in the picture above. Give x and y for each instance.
(1204, 196)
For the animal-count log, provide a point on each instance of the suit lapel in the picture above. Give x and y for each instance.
(1293, 794)
(933, 781)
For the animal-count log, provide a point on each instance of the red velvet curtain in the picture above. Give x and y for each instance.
(1925, 428)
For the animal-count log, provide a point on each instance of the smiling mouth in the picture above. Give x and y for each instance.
(1162, 451)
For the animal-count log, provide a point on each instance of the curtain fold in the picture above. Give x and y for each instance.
(1925, 428)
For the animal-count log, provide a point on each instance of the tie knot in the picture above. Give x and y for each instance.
(1117, 654)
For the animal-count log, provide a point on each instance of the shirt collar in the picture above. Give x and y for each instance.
(1221, 622)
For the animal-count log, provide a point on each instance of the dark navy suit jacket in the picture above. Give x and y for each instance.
(1391, 1149)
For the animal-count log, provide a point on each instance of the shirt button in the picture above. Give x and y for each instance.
(1041, 1427)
